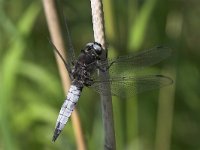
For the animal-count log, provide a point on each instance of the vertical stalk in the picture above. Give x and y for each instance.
(106, 101)
(51, 12)
(165, 117)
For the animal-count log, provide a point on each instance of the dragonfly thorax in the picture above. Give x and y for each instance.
(86, 64)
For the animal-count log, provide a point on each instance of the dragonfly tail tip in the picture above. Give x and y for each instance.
(56, 134)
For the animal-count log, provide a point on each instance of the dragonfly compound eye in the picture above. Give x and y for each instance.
(97, 47)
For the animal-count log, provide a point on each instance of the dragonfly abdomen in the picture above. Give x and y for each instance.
(66, 109)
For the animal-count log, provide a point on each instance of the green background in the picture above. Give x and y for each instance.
(31, 92)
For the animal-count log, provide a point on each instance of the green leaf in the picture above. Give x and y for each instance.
(138, 28)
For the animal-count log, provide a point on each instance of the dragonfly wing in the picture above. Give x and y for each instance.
(66, 63)
(138, 60)
(128, 86)
(70, 48)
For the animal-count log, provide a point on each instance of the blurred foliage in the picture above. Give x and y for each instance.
(31, 92)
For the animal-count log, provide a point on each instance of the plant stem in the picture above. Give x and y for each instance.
(106, 101)
(51, 12)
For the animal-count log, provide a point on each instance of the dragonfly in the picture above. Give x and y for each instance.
(123, 78)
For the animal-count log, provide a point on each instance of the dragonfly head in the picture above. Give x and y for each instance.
(94, 47)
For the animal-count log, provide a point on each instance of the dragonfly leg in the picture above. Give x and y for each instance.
(104, 69)
(89, 82)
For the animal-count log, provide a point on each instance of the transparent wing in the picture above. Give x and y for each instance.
(128, 86)
(138, 60)
(66, 63)
(70, 48)
(125, 79)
